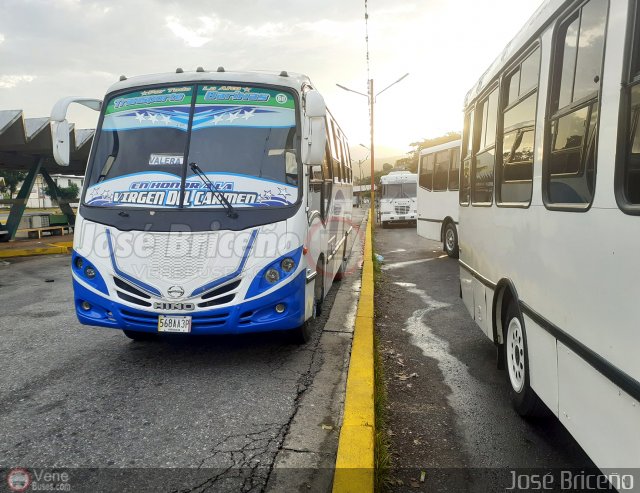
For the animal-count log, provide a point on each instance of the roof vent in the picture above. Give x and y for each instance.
(123, 77)
(179, 70)
(220, 69)
(199, 69)
(284, 74)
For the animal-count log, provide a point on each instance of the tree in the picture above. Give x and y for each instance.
(410, 162)
(386, 167)
(10, 181)
(66, 194)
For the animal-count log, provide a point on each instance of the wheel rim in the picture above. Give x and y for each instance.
(516, 354)
(450, 239)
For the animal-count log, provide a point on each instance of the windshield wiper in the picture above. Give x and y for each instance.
(231, 212)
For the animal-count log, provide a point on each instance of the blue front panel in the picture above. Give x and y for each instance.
(257, 315)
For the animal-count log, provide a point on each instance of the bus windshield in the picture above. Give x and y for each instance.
(243, 139)
(399, 191)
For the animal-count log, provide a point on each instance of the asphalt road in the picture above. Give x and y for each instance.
(226, 409)
(449, 407)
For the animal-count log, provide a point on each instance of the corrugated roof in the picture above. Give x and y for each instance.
(24, 140)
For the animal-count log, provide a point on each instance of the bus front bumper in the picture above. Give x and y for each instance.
(256, 315)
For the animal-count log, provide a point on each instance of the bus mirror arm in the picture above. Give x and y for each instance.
(61, 129)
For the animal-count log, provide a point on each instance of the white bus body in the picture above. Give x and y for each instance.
(157, 250)
(438, 179)
(548, 245)
(398, 199)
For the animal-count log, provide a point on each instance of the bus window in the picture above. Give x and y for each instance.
(570, 168)
(441, 172)
(515, 160)
(467, 153)
(454, 171)
(483, 169)
(426, 172)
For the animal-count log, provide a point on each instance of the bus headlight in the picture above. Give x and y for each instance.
(79, 262)
(272, 276)
(90, 272)
(288, 264)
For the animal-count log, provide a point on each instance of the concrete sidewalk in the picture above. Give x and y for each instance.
(36, 246)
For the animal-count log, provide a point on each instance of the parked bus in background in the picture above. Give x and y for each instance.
(549, 226)
(214, 202)
(398, 200)
(438, 179)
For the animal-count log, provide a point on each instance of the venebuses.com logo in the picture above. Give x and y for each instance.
(18, 479)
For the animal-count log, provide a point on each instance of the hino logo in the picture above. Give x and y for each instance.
(174, 306)
(175, 291)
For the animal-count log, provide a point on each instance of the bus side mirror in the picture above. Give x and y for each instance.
(315, 130)
(60, 128)
(61, 147)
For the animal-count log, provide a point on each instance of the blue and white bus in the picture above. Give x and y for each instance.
(214, 203)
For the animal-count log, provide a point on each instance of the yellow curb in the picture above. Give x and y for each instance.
(355, 460)
(27, 252)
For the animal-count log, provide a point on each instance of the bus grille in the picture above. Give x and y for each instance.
(199, 321)
(402, 209)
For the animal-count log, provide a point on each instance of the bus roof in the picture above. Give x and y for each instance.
(441, 147)
(536, 24)
(399, 177)
(292, 80)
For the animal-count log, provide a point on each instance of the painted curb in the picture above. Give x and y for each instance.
(53, 248)
(355, 460)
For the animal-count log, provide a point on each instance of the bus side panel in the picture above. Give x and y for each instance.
(466, 286)
(602, 418)
(429, 230)
(543, 363)
(480, 308)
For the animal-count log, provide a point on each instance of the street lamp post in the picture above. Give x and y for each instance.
(371, 97)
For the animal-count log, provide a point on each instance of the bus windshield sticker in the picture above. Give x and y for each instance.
(163, 190)
(154, 108)
(230, 106)
(166, 159)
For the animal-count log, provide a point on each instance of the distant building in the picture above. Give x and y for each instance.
(38, 199)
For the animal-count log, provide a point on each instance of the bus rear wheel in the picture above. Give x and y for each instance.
(523, 398)
(450, 242)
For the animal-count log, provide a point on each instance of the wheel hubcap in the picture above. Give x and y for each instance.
(450, 239)
(515, 354)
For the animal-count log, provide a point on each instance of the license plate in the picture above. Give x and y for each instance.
(167, 323)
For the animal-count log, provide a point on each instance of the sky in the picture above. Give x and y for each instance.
(52, 49)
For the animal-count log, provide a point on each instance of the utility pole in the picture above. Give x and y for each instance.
(371, 149)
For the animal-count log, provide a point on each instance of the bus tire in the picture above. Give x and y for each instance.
(384, 224)
(302, 334)
(450, 243)
(140, 336)
(516, 361)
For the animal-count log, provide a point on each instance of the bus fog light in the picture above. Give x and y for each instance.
(272, 275)
(288, 264)
(86, 306)
(90, 272)
(79, 262)
(280, 308)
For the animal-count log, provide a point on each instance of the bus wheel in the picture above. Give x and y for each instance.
(140, 336)
(524, 399)
(451, 240)
(384, 224)
(302, 334)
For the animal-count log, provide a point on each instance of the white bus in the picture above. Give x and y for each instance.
(438, 179)
(398, 199)
(214, 202)
(549, 226)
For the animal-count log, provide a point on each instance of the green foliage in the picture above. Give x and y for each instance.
(10, 181)
(387, 168)
(66, 194)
